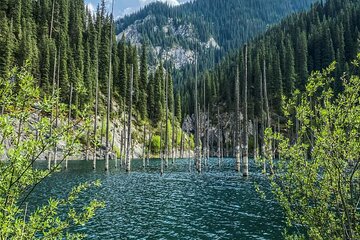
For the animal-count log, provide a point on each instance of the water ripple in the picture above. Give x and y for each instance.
(217, 204)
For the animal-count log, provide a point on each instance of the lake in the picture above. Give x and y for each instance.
(216, 204)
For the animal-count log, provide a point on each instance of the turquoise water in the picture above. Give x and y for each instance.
(216, 204)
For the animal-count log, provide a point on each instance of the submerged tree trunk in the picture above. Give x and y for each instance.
(237, 126)
(161, 149)
(112, 145)
(173, 136)
(246, 137)
(166, 121)
(57, 107)
(128, 153)
(149, 149)
(268, 150)
(219, 137)
(123, 143)
(52, 110)
(144, 146)
(207, 136)
(197, 142)
(181, 144)
(255, 134)
(69, 118)
(107, 149)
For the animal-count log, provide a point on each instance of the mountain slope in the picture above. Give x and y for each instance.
(299, 45)
(214, 27)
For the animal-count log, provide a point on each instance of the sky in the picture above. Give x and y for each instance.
(123, 7)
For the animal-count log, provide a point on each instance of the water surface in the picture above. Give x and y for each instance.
(216, 204)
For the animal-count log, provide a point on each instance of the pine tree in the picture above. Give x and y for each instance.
(301, 60)
(123, 67)
(143, 83)
(178, 107)
(158, 95)
(6, 43)
(289, 71)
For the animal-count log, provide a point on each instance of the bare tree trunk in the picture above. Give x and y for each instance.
(52, 19)
(123, 143)
(189, 147)
(128, 157)
(69, 116)
(219, 137)
(57, 107)
(279, 131)
(181, 144)
(204, 124)
(255, 129)
(173, 136)
(246, 137)
(207, 136)
(149, 149)
(268, 151)
(107, 149)
(237, 127)
(52, 112)
(166, 122)
(144, 145)
(197, 143)
(112, 145)
(161, 149)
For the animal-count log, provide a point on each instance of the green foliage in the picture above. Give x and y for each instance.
(301, 43)
(27, 134)
(316, 180)
(155, 143)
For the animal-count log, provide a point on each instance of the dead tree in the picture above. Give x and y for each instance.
(219, 137)
(268, 147)
(144, 146)
(197, 142)
(57, 107)
(107, 149)
(166, 121)
(128, 147)
(52, 110)
(237, 122)
(173, 135)
(246, 137)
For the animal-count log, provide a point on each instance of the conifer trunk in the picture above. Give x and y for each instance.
(52, 19)
(161, 149)
(268, 150)
(144, 146)
(57, 107)
(52, 112)
(112, 145)
(237, 127)
(219, 137)
(197, 146)
(166, 121)
(149, 149)
(69, 117)
(123, 146)
(246, 137)
(173, 135)
(128, 153)
(107, 149)
(255, 134)
(96, 112)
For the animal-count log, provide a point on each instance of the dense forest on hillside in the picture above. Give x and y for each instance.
(62, 40)
(300, 44)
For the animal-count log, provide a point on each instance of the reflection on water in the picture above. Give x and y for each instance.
(216, 204)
